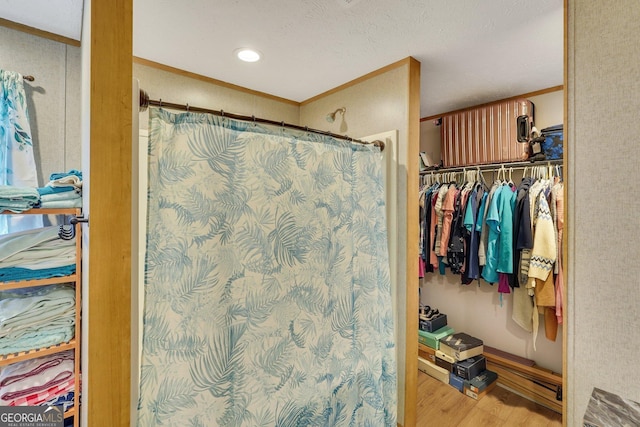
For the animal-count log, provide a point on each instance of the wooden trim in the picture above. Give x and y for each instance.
(524, 95)
(46, 211)
(5, 286)
(37, 32)
(535, 391)
(565, 250)
(210, 80)
(533, 371)
(360, 79)
(108, 397)
(8, 359)
(413, 148)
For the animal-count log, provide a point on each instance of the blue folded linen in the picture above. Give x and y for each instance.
(58, 175)
(52, 190)
(51, 306)
(64, 195)
(14, 274)
(18, 199)
(44, 338)
(64, 400)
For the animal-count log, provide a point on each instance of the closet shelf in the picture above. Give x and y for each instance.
(46, 211)
(8, 359)
(70, 413)
(5, 286)
(490, 166)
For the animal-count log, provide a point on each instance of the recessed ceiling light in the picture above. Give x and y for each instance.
(248, 55)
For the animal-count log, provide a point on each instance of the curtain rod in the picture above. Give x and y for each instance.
(145, 102)
(509, 165)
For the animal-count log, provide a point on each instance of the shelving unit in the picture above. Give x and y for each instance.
(74, 343)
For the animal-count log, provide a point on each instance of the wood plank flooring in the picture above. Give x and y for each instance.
(440, 405)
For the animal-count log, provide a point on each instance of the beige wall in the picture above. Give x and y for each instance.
(373, 106)
(476, 310)
(180, 89)
(53, 98)
(604, 153)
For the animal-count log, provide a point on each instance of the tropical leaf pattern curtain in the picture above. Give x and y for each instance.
(17, 162)
(267, 294)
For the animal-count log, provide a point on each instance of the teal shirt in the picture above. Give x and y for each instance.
(490, 270)
(505, 238)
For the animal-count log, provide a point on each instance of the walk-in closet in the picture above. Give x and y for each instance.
(474, 263)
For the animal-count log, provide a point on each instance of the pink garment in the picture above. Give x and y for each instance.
(420, 267)
(559, 285)
(503, 283)
(447, 217)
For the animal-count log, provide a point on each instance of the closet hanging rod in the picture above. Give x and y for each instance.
(495, 166)
(28, 78)
(145, 102)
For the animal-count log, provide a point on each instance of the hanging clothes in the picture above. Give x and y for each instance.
(558, 192)
(475, 200)
(455, 253)
(494, 215)
(522, 236)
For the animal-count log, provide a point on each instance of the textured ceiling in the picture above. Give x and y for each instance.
(471, 51)
(62, 17)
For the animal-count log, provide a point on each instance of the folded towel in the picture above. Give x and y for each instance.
(35, 249)
(62, 204)
(51, 190)
(71, 180)
(59, 175)
(36, 310)
(17, 199)
(15, 274)
(32, 377)
(13, 243)
(39, 397)
(63, 195)
(31, 373)
(34, 340)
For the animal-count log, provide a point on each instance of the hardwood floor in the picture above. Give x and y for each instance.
(440, 405)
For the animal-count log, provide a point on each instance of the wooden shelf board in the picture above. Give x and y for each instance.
(8, 359)
(5, 286)
(70, 412)
(46, 211)
(533, 371)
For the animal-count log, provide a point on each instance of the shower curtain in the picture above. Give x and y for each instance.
(17, 163)
(267, 289)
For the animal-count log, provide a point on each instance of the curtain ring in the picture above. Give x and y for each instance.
(187, 108)
(160, 103)
(254, 119)
(222, 113)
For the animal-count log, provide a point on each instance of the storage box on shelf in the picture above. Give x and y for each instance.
(432, 339)
(461, 346)
(74, 279)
